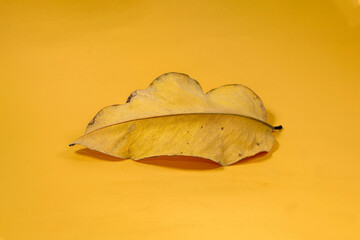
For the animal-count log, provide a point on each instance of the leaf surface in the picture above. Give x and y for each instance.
(173, 116)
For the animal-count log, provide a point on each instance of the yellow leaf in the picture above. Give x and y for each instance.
(173, 116)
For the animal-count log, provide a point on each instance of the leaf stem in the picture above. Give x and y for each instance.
(278, 127)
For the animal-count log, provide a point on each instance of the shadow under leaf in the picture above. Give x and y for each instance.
(181, 162)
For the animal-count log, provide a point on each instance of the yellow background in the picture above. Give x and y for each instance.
(62, 61)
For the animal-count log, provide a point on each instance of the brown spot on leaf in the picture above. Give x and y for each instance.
(133, 94)
(92, 121)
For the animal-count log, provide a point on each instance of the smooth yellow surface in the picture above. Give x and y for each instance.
(62, 61)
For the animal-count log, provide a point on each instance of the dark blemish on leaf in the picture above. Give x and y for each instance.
(258, 144)
(240, 154)
(187, 143)
(222, 128)
(133, 94)
(101, 112)
(70, 145)
(181, 152)
(202, 126)
(92, 121)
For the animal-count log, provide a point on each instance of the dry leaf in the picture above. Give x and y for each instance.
(173, 116)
